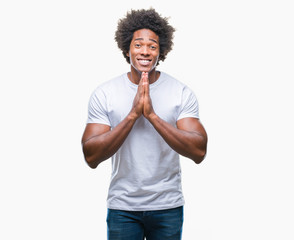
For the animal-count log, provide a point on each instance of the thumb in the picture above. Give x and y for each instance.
(145, 82)
(144, 78)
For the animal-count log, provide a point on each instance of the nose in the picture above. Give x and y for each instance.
(145, 50)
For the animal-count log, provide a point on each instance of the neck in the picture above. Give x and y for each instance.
(135, 76)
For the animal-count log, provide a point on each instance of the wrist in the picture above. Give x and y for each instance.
(152, 117)
(132, 116)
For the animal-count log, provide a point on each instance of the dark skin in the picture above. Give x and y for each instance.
(188, 138)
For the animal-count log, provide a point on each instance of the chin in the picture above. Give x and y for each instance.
(147, 69)
(141, 69)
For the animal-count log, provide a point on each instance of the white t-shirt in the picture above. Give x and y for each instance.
(146, 173)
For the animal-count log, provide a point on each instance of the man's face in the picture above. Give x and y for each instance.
(144, 50)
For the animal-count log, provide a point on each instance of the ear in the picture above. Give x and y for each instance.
(128, 55)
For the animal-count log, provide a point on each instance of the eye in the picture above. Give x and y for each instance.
(152, 47)
(137, 45)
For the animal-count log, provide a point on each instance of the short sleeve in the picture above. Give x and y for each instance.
(97, 108)
(189, 106)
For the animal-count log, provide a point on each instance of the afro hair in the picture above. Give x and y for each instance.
(144, 19)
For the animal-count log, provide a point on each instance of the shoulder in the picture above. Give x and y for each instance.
(110, 85)
(177, 87)
(168, 79)
(116, 81)
(174, 83)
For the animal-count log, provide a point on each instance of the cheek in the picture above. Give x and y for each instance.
(130, 56)
(156, 59)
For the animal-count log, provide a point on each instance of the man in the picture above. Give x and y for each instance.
(143, 120)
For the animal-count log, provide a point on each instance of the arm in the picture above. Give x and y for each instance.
(188, 139)
(99, 142)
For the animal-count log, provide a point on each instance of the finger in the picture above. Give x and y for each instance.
(144, 78)
(140, 86)
(146, 83)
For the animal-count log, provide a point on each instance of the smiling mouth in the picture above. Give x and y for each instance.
(144, 62)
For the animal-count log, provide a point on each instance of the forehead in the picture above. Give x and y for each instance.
(145, 34)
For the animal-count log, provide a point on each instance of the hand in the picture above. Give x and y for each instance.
(138, 101)
(148, 110)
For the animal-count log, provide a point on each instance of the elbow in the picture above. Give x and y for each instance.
(91, 160)
(94, 161)
(91, 164)
(196, 154)
(199, 157)
(200, 152)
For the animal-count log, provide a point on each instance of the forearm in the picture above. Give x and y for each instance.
(101, 147)
(191, 144)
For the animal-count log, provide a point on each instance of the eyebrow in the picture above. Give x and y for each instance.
(137, 39)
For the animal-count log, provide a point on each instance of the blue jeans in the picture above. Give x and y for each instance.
(154, 225)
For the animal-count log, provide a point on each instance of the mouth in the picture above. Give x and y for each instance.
(144, 62)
